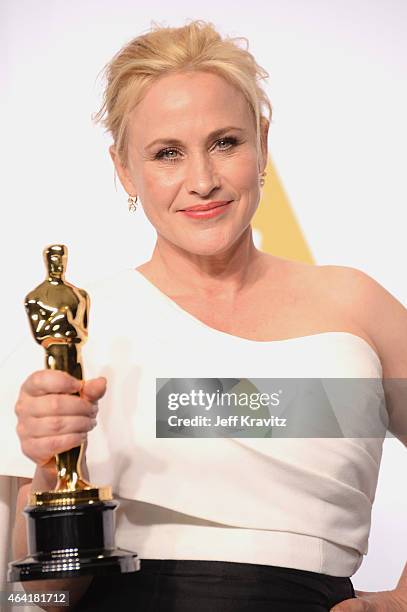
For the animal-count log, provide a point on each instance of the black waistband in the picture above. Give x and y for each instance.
(167, 585)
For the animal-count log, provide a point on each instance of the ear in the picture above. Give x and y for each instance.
(123, 172)
(264, 130)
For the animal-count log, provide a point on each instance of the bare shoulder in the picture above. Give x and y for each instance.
(357, 301)
(381, 314)
(384, 319)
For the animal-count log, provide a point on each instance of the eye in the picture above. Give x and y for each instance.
(169, 154)
(225, 143)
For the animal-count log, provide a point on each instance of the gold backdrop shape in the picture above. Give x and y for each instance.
(280, 232)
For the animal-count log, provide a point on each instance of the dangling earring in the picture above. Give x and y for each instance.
(132, 202)
(262, 178)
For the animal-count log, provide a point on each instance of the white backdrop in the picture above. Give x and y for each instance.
(338, 87)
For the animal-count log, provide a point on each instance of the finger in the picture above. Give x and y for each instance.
(49, 426)
(54, 404)
(41, 450)
(351, 605)
(50, 381)
(94, 389)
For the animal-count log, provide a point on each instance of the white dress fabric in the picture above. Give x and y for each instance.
(300, 503)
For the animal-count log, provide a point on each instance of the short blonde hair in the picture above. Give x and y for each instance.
(196, 46)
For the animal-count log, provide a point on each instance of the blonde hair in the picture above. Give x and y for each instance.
(163, 50)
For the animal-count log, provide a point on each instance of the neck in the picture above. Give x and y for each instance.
(55, 278)
(182, 272)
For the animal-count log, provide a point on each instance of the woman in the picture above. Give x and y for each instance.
(258, 522)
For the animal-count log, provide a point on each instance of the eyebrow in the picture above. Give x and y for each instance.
(175, 141)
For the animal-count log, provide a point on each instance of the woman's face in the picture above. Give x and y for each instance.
(192, 143)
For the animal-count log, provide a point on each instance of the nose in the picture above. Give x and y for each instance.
(202, 177)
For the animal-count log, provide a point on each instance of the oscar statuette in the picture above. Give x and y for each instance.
(70, 530)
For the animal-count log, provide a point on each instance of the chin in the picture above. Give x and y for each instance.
(208, 245)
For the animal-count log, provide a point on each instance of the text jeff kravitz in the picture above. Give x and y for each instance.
(230, 421)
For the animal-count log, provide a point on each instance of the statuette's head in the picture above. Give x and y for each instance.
(55, 259)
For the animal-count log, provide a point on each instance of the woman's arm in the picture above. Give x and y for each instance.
(385, 321)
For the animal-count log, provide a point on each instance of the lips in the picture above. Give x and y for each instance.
(204, 212)
(203, 207)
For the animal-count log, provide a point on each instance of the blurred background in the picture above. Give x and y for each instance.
(335, 193)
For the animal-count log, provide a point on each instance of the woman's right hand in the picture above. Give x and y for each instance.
(50, 418)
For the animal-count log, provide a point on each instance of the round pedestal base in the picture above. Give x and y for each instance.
(67, 540)
(71, 563)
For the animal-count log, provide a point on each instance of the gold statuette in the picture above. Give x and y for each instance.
(70, 530)
(58, 313)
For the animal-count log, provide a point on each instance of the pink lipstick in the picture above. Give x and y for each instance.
(206, 211)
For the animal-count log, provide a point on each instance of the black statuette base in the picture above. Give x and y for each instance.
(67, 541)
(96, 563)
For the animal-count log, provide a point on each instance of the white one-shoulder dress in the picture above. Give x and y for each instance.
(299, 502)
